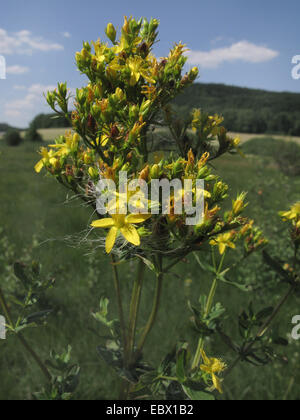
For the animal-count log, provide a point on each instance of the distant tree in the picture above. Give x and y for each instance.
(33, 135)
(49, 121)
(13, 138)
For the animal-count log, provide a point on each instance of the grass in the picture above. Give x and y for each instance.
(33, 206)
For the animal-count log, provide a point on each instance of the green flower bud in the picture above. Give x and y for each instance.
(87, 46)
(134, 113)
(111, 32)
(81, 96)
(203, 173)
(145, 107)
(155, 172)
(193, 74)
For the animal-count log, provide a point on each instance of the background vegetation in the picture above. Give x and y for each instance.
(36, 221)
(245, 110)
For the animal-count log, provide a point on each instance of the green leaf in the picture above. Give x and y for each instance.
(198, 395)
(104, 302)
(265, 313)
(166, 363)
(239, 286)
(181, 365)
(114, 359)
(147, 262)
(37, 317)
(204, 265)
(19, 270)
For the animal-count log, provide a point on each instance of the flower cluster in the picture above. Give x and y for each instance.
(127, 90)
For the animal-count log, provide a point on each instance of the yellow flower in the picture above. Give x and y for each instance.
(124, 224)
(213, 366)
(292, 214)
(138, 70)
(46, 156)
(70, 145)
(223, 241)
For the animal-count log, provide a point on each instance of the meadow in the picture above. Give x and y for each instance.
(39, 223)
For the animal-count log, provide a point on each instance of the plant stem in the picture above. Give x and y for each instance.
(35, 357)
(152, 318)
(208, 307)
(119, 299)
(20, 337)
(263, 329)
(134, 308)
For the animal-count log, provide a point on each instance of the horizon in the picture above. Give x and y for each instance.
(195, 83)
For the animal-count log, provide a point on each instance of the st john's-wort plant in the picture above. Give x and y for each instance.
(127, 97)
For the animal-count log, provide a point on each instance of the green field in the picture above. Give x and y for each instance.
(35, 217)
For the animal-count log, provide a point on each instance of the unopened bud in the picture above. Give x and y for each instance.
(111, 32)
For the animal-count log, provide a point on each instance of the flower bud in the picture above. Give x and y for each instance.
(145, 107)
(239, 204)
(93, 172)
(193, 74)
(145, 173)
(134, 112)
(85, 54)
(120, 94)
(87, 159)
(155, 172)
(111, 32)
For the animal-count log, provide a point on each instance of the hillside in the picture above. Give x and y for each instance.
(245, 110)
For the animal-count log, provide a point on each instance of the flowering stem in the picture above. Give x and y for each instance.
(208, 307)
(20, 337)
(119, 298)
(134, 308)
(152, 318)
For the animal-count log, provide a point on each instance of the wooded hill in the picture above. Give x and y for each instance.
(245, 110)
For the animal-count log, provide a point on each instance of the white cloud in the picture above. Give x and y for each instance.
(17, 70)
(23, 42)
(19, 87)
(20, 112)
(66, 35)
(240, 51)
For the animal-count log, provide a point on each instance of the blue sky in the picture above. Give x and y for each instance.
(238, 42)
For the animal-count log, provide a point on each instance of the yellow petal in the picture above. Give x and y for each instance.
(111, 239)
(222, 248)
(103, 223)
(217, 383)
(137, 218)
(39, 166)
(135, 77)
(205, 358)
(205, 369)
(131, 235)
